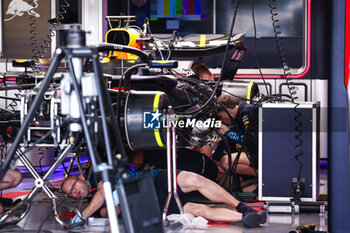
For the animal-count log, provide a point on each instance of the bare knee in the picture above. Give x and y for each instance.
(189, 181)
(17, 179)
(13, 178)
(224, 162)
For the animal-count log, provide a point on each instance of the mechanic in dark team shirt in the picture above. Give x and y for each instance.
(241, 120)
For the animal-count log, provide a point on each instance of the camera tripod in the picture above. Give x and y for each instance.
(74, 50)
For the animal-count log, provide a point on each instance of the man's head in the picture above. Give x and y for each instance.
(76, 186)
(203, 72)
(136, 158)
(227, 104)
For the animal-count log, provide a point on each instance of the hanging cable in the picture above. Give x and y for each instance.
(33, 33)
(38, 51)
(13, 105)
(292, 92)
(52, 32)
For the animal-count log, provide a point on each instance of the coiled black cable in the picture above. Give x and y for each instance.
(62, 11)
(292, 92)
(47, 42)
(13, 105)
(32, 31)
(281, 50)
(39, 51)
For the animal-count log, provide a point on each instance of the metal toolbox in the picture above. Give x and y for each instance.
(278, 167)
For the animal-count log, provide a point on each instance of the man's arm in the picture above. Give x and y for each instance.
(96, 203)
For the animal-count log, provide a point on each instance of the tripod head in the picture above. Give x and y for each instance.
(74, 37)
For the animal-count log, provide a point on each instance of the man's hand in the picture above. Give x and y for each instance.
(239, 146)
(196, 148)
(207, 150)
(77, 219)
(224, 128)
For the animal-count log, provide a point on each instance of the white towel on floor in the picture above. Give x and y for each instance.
(188, 220)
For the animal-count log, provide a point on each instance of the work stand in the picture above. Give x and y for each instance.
(82, 125)
(40, 184)
(171, 165)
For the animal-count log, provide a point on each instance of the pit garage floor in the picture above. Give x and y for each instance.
(40, 217)
(278, 223)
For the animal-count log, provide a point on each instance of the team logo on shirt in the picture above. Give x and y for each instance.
(245, 120)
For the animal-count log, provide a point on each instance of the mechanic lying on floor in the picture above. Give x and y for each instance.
(78, 187)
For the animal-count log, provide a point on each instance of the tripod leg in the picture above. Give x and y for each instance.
(107, 185)
(105, 98)
(59, 54)
(101, 98)
(115, 122)
(112, 215)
